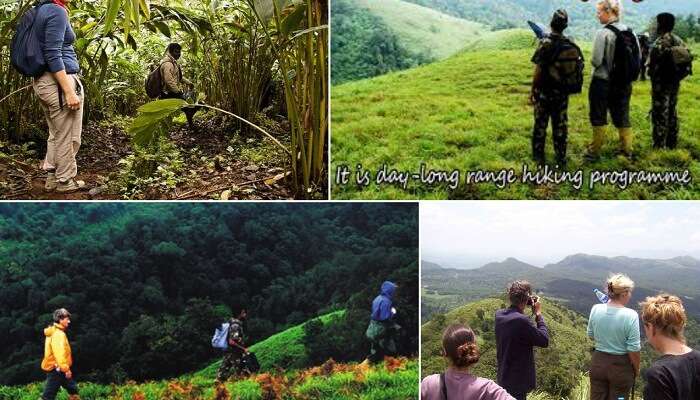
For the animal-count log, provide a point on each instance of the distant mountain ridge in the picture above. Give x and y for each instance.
(572, 280)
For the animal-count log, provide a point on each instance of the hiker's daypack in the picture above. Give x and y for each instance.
(220, 339)
(566, 66)
(26, 55)
(676, 63)
(154, 82)
(627, 60)
(249, 363)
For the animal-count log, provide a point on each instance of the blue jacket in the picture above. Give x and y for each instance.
(56, 37)
(381, 306)
(515, 339)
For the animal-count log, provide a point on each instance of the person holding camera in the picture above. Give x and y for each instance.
(516, 337)
(615, 330)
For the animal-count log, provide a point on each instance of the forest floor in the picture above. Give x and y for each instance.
(204, 163)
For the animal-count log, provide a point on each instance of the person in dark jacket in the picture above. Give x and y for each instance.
(382, 329)
(515, 339)
(61, 96)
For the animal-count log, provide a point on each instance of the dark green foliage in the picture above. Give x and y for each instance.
(147, 284)
(363, 46)
(344, 340)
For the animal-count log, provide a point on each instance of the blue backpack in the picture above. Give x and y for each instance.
(25, 50)
(220, 339)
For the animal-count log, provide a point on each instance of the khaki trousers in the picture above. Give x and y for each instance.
(65, 126)
(612, 376)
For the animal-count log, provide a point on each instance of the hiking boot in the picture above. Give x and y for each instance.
(626, 141)
(51, 182)
(70, 186)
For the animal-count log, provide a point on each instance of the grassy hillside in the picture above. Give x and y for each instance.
(283, 376)
(559, 366)
(396, 379)
(470, 112)
(424, 30)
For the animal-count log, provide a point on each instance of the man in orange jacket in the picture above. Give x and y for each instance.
(58, 359)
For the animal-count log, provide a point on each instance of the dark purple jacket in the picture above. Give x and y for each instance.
(515, 339)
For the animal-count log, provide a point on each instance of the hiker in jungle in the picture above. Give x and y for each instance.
(615, 330)
(382, 329)
(616, 60)
(58, 360)
(231, 363)
(516, 338)
(173, 82)
(676, 374)
(670, 61)
(60, 94)
(457, 382)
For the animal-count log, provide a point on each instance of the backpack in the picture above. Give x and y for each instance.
(566, 67)
(249, 363)
(627, 63)
(154, 82)
(676, 63)
(220, 339)
(26, 55)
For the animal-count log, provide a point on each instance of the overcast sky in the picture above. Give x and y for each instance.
(470, 234)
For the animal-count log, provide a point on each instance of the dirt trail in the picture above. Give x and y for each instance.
(104, 146)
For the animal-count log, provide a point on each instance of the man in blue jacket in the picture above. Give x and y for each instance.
(382, 328)
(515, 338)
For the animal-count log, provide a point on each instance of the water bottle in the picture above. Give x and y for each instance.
(602, 297)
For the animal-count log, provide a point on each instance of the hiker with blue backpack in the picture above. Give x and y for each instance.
(616, 60)
(230, 339)
(382, 328)
(42, 48)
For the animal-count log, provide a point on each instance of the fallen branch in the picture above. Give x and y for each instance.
(23, 164)
(220, 188)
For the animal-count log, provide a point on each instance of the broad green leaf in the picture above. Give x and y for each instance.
(163, 28)
(160, 105)
(85, 28)
(127, 19)
(146, 8)
(111, 16)
(291, 22)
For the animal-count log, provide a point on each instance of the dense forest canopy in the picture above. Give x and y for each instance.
(147, 284)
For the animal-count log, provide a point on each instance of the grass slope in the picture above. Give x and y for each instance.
(422, 29)
(470, 112)
(281, 375)
(559, 366)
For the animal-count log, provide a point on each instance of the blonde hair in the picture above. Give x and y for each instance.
(666, 313)
(613, 7)
(618, 285)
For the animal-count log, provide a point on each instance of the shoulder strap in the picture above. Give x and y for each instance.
(613, 28)
(443, 386)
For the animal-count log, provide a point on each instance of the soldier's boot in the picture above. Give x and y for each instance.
(596, 145)
(626, 141)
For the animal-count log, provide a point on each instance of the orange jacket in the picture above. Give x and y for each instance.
(56, 350)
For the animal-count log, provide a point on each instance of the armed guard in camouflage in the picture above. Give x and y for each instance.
(231, 363)
(670, 62)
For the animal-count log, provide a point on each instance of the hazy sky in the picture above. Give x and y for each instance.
(470, 234)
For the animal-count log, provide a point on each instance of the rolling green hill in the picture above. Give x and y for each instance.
(424, 30)
(470, 112)
(559, 366)
(514, 13)
(284, 375)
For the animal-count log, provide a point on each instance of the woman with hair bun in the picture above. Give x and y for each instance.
(676, 375)
(615, 330)
(457, 383)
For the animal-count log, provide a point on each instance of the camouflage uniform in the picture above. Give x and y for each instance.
(549, 104)
(231, 364)
(664, 94)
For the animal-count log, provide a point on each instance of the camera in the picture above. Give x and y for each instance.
(532, 300)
